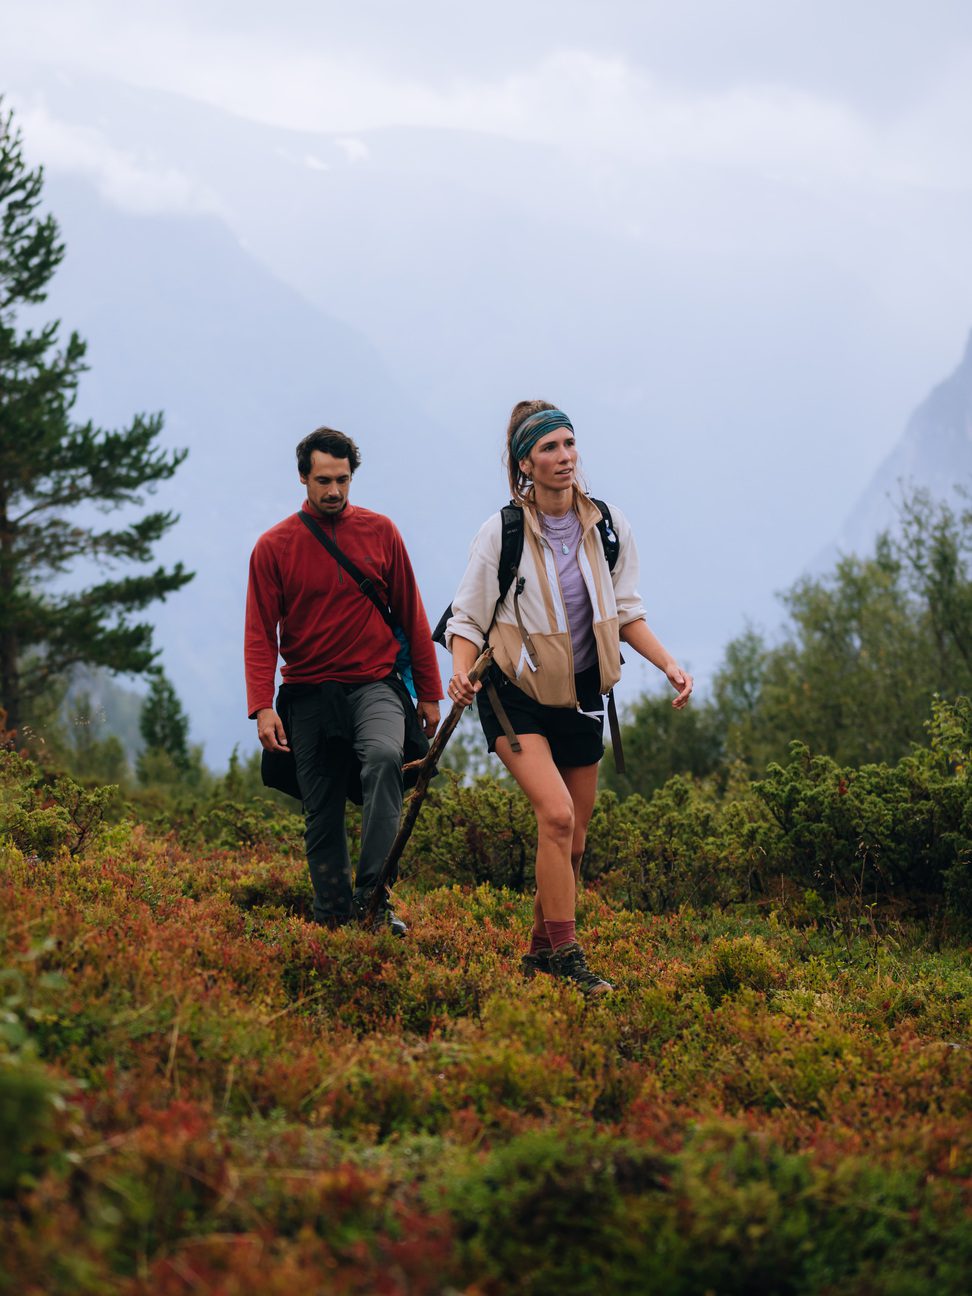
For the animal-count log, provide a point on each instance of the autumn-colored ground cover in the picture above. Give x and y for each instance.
(200, 1091)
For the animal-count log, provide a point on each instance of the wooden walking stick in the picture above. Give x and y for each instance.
(427, 768)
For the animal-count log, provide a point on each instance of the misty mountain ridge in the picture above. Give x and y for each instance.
(934, 453)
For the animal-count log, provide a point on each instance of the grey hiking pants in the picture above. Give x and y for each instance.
(379, 735)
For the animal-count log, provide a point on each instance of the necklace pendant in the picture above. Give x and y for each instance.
(564, 548)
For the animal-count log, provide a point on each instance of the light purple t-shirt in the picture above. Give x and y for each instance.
(565, 533)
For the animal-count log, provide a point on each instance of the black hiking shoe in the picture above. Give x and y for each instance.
(385, 918)
(569, 964)
(533, 964)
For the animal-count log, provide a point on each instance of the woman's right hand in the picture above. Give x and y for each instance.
(462, 689)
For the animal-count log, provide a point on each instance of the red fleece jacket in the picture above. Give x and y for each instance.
(328, 629)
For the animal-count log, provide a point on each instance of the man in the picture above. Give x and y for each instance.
(342, 707)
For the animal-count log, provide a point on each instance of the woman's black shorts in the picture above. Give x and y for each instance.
(574, 738)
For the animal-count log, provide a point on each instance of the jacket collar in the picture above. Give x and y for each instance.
(338, 518)
(587, 511)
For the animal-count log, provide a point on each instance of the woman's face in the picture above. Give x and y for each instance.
(552, 463)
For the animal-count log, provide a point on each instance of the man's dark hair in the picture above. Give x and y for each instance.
(328, 441)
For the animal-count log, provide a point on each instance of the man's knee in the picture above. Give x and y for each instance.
(321, 800)
(381, 761)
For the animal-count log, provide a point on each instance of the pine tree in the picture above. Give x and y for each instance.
(50, 465)
(164, 727)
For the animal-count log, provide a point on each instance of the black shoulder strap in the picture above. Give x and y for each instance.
(364, 583)
(609, 537)
(511, 546)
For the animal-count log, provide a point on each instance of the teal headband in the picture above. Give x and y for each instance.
(529, 432)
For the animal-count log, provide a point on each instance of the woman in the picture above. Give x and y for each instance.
(556, 638)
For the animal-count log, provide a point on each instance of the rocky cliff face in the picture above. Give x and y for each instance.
(934, 452)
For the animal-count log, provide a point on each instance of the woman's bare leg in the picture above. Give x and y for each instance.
(538, 927)
(539, 778)
(581, 783)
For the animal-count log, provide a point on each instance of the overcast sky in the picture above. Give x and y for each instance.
(862, 109)
(865, 106)
(882, 84)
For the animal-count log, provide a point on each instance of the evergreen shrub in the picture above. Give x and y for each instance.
(834, 833)
(42, 817)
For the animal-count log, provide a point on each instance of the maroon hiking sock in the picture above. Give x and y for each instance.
(561, 933)
(539, 942)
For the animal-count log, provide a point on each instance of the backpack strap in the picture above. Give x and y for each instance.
(499, 711)
(609, 537)
(615, 728)
(364, 583)
(511, 547)
(612, 549)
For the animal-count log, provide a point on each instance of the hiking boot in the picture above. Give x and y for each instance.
(569, 963)
(385, 918)
(532, 964)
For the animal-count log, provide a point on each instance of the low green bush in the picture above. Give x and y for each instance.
(572, 1211)
(879, 830)
(835, 834)
(548, 1212)
(472, 833)
(43, 816)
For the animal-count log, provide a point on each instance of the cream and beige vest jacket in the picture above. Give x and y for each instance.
(614, 598)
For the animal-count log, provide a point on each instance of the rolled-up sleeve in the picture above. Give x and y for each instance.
(476, 598)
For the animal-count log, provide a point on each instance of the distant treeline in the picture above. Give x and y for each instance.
(865, 650)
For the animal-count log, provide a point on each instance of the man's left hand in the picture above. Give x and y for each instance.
(428, 714)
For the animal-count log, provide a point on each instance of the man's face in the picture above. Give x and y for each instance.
(328, 483)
